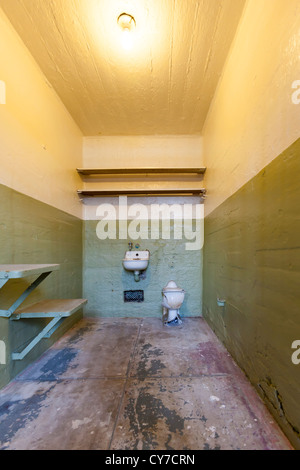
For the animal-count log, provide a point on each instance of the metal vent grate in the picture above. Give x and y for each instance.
(134, 296)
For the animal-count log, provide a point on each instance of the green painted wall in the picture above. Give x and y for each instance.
(252, 259)
(105, 279)
(32, 232)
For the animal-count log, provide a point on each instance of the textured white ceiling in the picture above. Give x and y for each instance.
(163, 85)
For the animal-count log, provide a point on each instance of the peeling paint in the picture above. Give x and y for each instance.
(144, 415)
(58, 364)
(80, 422)
(208, 353)
(148, 364)
(272, 396)
(79, 333)
(18, 413)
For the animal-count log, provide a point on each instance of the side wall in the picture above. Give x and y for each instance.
(252, 260)
(32, 232)
(252, 231)
(40, 147)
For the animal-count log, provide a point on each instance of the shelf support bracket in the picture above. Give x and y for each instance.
(8, 313)
(3, 282)
(45, 333)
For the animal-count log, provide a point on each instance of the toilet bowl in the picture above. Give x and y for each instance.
(173, 297)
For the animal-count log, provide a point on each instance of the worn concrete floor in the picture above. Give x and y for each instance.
(132, 384)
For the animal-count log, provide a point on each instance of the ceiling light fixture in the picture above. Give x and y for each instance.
(127, 24)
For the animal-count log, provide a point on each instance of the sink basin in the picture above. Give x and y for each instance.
(136, 260)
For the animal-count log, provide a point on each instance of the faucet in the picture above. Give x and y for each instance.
(130, 246)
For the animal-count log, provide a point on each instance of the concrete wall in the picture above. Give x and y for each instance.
(40, 211)
(173, 256)
(141, 152)
(252, 118)
(251, 255)
(105, 279)
(32, 232)
(40, 143)
(251, 259)
(138, 151)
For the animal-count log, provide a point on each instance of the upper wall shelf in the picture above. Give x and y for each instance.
(133, 172)
(141, 171)
(142, 192)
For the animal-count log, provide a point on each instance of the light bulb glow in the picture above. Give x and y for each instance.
(127, 39)
(127, 24)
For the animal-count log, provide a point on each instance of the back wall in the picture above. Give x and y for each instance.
(172, 257)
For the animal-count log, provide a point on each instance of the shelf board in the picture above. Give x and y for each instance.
(16, 271)
(141, 171)
(140, 192)
(50, 308)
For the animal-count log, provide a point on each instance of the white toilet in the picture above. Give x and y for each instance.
(173, 297)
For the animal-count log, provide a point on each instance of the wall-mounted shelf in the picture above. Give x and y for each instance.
(139, 171)
(58, 310)
(18, 271)
(140, 192)
(133, 172)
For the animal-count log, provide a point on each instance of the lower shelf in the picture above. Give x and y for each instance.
(50, 308)
(141, 192)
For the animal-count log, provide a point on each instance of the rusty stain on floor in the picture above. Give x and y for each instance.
(134, 384)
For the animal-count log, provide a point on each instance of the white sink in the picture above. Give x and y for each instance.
(136, 261)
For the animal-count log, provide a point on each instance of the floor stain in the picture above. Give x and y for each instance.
(209, 357)
(80, 333)
(58, 364)
(145, 414)
(149, 363)
(208, 447)
(18, 413)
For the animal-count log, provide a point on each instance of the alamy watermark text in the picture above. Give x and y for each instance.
(144, 222)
